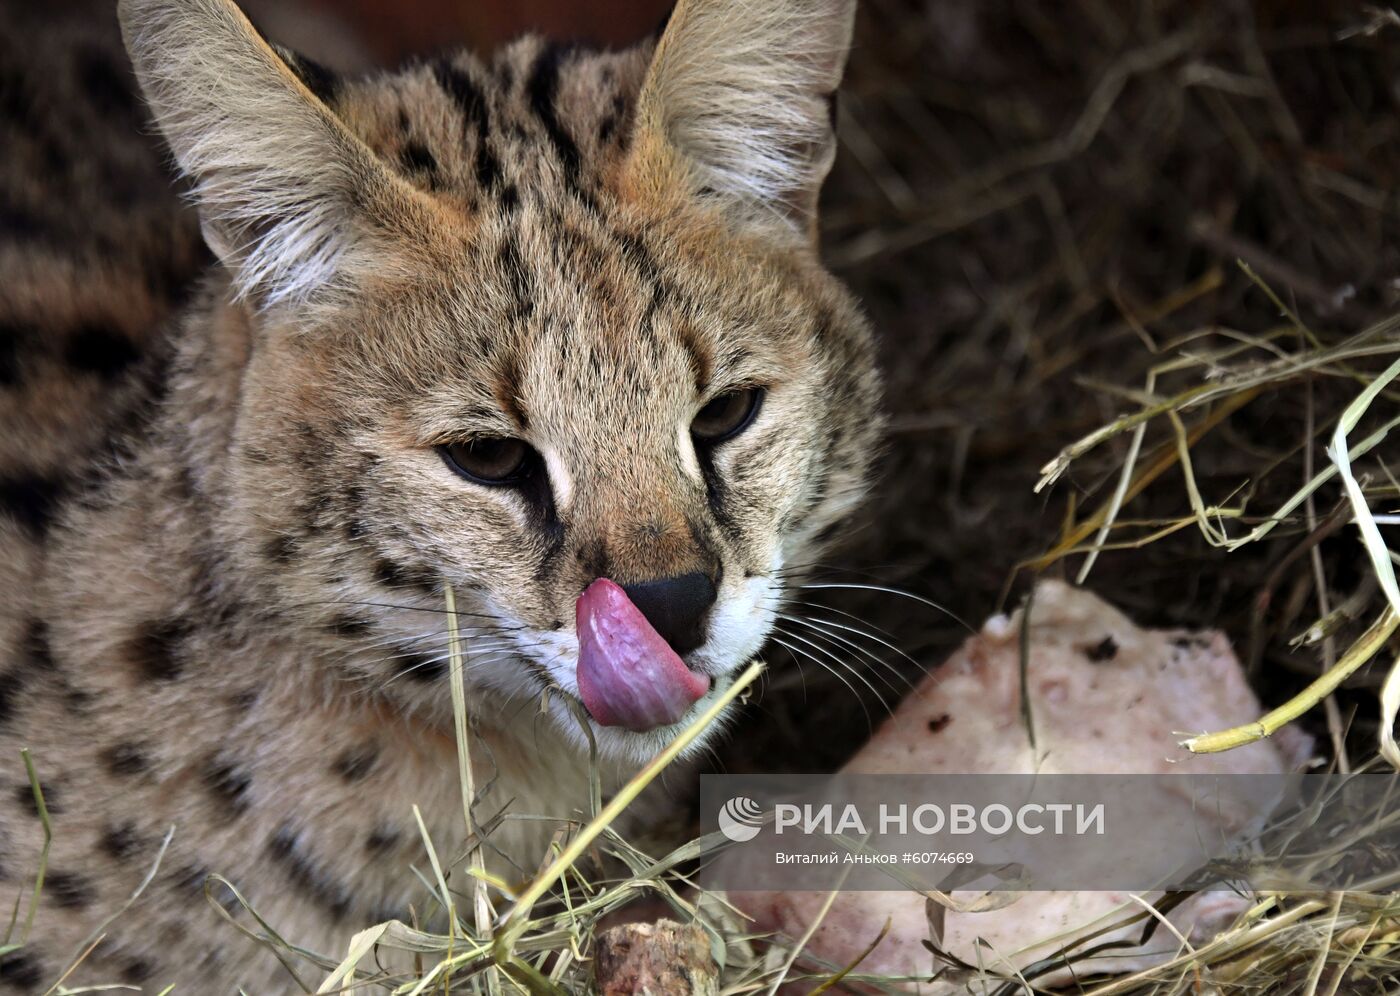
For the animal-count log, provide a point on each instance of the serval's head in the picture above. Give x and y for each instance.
(550, 330)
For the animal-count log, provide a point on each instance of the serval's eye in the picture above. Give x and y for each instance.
(727, 415)
(493, 460)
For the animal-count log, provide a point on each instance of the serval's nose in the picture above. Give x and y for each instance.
(677, 607)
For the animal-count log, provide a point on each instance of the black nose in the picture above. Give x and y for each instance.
(676, 607)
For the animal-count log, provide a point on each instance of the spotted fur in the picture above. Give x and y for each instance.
(226, 529)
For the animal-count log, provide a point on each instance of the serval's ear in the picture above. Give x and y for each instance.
(289, 198)
(738, 103)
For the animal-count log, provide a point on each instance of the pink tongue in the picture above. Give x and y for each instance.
(628, 675)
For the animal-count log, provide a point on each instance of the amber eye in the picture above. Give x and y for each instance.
(727, 415)
(490, 459)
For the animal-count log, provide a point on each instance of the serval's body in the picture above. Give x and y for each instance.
(226, 531)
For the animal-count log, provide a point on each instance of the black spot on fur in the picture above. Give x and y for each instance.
(1105, 650)
(696, 356)
(37, 648)
(460, 87)
(98, 349)
(126, 760)
(190, 878)
(24, 795)
(717, 493)
(119, 841)
(286, 848)
(21, 970)
(402, 576)
(31, 501)
(37, 656)
(155, 649)
(348, 625)
(137, 971)
(21, 223)
(593, 558)
(280, 549)
(521, 284)
(542, 87)
(227, 782)
(421, 667)
(356, 763)
(608, 128)
(10, 339)
(416, 157)
(78, 701)
(11, 687)
(381, 840)
(938, 723)
(829, 533)
(69, 891)
(108, 89)
(17, 100)
(187, 877)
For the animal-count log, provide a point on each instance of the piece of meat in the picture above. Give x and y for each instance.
(1107, 697)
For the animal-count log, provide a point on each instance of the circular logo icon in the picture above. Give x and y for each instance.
(740, 819)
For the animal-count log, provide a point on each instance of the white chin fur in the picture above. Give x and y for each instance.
(630, 748)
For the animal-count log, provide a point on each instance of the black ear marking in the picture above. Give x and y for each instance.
(320, 80)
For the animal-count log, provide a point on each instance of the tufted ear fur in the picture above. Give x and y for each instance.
(288, 197)
(739, 101)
